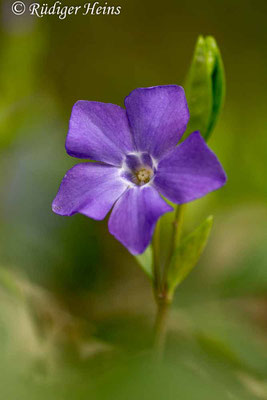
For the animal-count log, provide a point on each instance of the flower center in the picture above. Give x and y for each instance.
(138, 168)
(143, 175)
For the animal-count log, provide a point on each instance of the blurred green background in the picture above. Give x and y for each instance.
(76, 312)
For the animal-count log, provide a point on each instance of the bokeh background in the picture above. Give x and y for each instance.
(76, 311)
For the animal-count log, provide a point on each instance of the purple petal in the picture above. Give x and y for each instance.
(132, 161)
(189, 171)
(147, 160)
(99, 131)
(134, 216)
(158, 117)
(90, 189)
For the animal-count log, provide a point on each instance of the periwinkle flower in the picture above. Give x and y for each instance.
(138, 161)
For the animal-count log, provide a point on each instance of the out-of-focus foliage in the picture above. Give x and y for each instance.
(21, 53)
(76, 312)
(50, 352)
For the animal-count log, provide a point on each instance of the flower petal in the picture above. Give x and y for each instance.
(90, 189)
(158, 117)
(99, 131)
(134, 216)
(189, 171)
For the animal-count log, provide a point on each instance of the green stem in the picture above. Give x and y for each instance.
(161, 328)
(162, 296)
(175, 237)
(156, 258)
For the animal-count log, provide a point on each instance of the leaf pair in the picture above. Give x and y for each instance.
(185, 256)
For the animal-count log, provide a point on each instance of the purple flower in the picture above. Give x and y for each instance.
(138, 162)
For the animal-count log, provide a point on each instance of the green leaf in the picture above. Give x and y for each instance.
(218, 82)
(145, 262)
(205, 87)
(187, 254)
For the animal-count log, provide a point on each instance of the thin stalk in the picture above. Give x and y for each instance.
(160, 329)
(162, 296)
(175, 237)
(156, 258)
